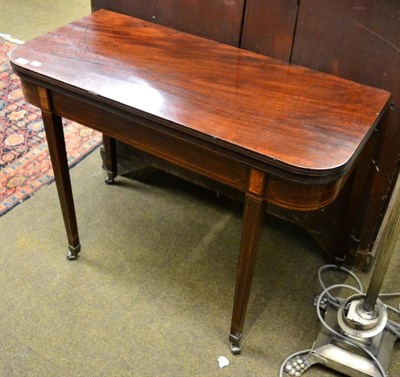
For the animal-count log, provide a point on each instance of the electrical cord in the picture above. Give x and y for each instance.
(336, 302)
(334, 267)
(395, 294)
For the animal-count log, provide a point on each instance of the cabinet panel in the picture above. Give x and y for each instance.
(220, 20)
(354, 39)
(359, 40)
(269, 26)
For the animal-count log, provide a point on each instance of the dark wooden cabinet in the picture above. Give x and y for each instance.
(359, 40)
(269, 27)
(355, 39)
(213, 19)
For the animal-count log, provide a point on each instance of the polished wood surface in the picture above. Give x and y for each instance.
(207, 160)
(58, 154)
(278, 133)
(289, 117)
(359, 40)
(254, 211)
(367, 53)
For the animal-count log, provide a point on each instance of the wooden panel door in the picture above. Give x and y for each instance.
(269, 27)
(355, 39)
(220, 20)
(359, 40)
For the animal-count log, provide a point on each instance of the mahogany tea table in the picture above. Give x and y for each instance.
(279, 133)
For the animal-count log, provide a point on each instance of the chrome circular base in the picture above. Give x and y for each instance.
(358, 323)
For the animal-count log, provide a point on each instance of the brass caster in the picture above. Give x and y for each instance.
(110, 177)
(235, 349)
(73, 252)
(110, 181)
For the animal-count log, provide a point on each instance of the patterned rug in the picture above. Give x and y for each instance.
(25, 165)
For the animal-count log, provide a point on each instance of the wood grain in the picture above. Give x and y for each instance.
(217, 20)
(359, 40)
(269, 26)
(270, 129)
(283, 115)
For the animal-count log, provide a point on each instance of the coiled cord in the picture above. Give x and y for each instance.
(336, 302)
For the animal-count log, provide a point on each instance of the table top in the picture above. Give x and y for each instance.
(284, 115)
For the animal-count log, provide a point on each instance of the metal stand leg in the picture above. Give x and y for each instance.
(110, 148)
(339, 354)
(55, 139)
(357, 340)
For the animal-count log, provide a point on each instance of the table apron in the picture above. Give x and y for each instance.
(195, 155)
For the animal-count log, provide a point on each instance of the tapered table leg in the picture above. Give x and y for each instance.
(110, 149)
(55, 140)
(254, 212)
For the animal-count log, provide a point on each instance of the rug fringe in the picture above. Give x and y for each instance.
(9, 38)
